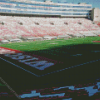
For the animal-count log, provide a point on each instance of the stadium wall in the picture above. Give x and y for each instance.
(38, 15)
(95, 14)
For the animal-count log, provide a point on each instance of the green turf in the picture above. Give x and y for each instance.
(1, 84)
(65, 51)
(48, 44)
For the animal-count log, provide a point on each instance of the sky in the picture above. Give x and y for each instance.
(95, 3)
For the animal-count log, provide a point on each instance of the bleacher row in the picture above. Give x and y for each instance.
(31, 28)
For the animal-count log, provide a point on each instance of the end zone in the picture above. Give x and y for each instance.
(37, 64)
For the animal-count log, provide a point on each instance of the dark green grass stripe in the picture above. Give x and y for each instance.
(43, 45)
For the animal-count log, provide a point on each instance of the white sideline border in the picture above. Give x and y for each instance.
(50, 72)
(10, 88)
(18, 66)
(38, 75)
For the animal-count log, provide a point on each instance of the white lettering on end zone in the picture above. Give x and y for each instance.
(31, 61)
(41, 65)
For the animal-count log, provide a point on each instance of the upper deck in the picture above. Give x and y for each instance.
(45, 8)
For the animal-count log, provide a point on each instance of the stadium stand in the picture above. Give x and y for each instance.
(15, 28)
(38, 27)
(24, 21)
(43, 28)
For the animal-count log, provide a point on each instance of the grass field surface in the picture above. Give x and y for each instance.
(80, 57)
(47, 44)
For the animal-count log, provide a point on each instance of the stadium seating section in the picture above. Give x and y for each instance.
(18, 28)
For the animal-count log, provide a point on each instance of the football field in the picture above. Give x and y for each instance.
(48, 44)
(50, 63)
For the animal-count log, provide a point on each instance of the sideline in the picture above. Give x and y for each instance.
(10, 88)
(19, 66)
(53, 71)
